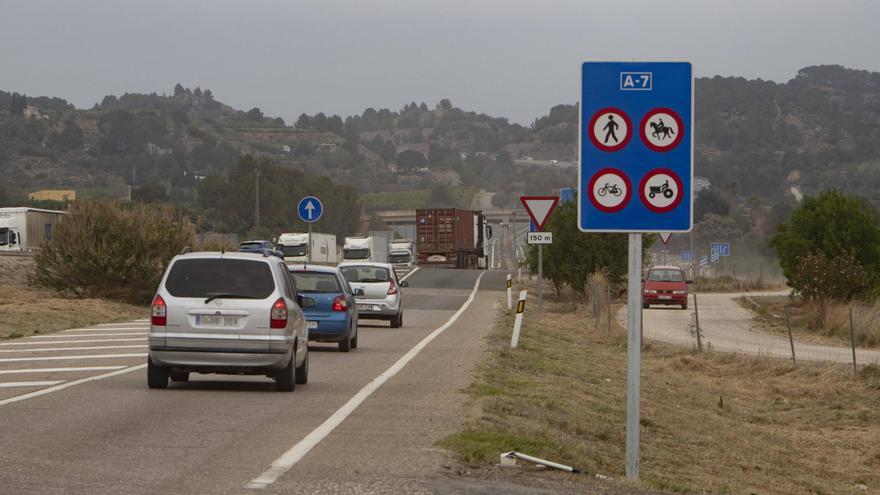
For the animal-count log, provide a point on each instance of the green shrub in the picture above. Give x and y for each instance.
(112, 250)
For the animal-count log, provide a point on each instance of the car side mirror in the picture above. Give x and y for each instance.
(404, 284)
(279, 253)
(359, 292)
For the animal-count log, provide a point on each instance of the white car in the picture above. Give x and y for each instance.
(382, 299)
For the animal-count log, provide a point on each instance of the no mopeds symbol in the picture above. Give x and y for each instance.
(661, 190)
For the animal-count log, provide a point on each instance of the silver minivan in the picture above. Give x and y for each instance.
(231, 313)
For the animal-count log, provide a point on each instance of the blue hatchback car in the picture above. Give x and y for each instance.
(328, 304)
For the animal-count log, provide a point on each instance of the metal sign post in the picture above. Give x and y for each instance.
(635, 177)
(539, 209)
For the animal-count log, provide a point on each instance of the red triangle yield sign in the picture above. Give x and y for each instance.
(539, 208)
(664, 236)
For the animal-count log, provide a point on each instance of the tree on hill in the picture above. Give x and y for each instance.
(410, 160)
(18, 103)
(710, 202)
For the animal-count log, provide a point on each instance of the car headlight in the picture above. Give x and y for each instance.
(650, 291)
(679, 292)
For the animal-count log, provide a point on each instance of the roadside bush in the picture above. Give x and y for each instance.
(112, 250)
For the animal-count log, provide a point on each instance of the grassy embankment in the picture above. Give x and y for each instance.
(727, 283)
(805, 324)
(711, 422)
(27, 310)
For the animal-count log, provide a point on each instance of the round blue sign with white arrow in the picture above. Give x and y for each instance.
(310, 209)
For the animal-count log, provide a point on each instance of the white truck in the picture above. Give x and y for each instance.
(373, 247)
(402, 252)
(296, 248)
(23, 229)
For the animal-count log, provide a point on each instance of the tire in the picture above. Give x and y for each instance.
(646, 306)
(397, 320)
(354, 340)
(345, 344)
(284, 379)
(684, 306)
(302, 372)
(179, 376)
(157, 376)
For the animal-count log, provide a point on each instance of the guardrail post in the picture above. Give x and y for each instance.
(697, 320)
(852, 339)
(517, 323)
(790, 338)
(509, 293)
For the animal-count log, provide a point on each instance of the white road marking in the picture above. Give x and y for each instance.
(61, 370)
(43, 383)
(298, 451)
(69, 384)
(71, 358)
(57, 336)
(410, 273)
(89, 348)
(47, 342)
(123, 323)
(104, 329)
(140, 320)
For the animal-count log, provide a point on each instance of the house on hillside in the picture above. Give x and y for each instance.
(155, 150)
(30, 112)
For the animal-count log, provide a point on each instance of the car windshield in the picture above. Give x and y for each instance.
(301, 250)
(316, 282)
(366, 274)
(204, 278)
(4, 236)
(666, 275)
(399, 258)
(357, 254)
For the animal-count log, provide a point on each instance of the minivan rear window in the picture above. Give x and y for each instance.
(665, 275)
(212, 277)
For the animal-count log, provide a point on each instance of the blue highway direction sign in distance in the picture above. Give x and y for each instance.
(722, 248)
(636, 142)
(310, 209)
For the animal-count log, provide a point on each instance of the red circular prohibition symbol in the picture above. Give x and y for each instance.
(592, 184)
(648, 116)
(629, 129)
(678, 184)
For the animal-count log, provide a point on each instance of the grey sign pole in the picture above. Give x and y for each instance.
(541, 278)
(633, 354)
(310, 243)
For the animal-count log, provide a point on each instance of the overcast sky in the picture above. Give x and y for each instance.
(509, 58)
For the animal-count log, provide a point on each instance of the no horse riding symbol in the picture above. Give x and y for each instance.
(661, 131)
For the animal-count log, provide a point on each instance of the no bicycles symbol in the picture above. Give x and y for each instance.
(610, 190)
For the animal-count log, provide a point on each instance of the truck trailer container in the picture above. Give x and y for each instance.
(452, 237)
(24, 229)
(296, 248)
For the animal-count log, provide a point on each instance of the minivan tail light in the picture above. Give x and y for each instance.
(159, 315)
(278, 314)
(392, 288)
(340, 304)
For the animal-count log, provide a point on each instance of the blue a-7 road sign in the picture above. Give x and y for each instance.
(722, 248)
(310, 209)
(636, 147)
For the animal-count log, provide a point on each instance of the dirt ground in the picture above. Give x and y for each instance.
(30, 310)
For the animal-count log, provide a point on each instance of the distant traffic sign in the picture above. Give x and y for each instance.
(723, 248)
(704, 261)
(539, 208)
(687, 255)
(664, 237)
(540, 238)
(310, 209)
(641, 184)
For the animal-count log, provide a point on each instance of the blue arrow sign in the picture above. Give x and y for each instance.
(723, 248)
(636, 142)
(310, 209)
(687, 255)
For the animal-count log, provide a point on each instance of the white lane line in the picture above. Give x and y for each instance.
(141, 320)
(61, 370)
(57, 336)
(410, 273)
(63, 386)
(122, 323)
(89, 348)
(298, 451)
(53, 342)
(116, 329)
(71, 358)
(43, 383)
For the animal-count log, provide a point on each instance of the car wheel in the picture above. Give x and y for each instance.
(284, 378)
(157, 376)
(684, 306)
(179, 376)
(345, 344)
(354, 340)
(646, 306)
(302, 371)
(397, 320)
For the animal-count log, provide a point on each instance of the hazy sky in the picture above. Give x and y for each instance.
(508, 58)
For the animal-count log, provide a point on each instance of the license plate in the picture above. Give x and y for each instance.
(367, 307)
(312, 324)
(665, 297)
(217, 320)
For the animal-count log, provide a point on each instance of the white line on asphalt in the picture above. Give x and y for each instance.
(410, 273)
(53, 342)
(62, 358)
(298, 451)
(140, 320)
(56, 336)
(43, 383)
(104, 329)
(61, 370)
(122, 323)
(69, 384)
(89, 348)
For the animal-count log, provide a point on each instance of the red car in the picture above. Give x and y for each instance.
(665, 285)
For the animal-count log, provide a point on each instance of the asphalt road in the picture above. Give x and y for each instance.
(218, 433)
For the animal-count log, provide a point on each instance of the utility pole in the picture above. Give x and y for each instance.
(257, 198)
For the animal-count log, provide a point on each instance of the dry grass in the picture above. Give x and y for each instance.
(727, 283)
(806, 324)
(713, 423)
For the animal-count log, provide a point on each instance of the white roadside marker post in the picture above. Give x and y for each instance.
(509, 293)
(517, 323)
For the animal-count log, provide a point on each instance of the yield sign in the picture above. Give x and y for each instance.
(664, 236)
(539, 208)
